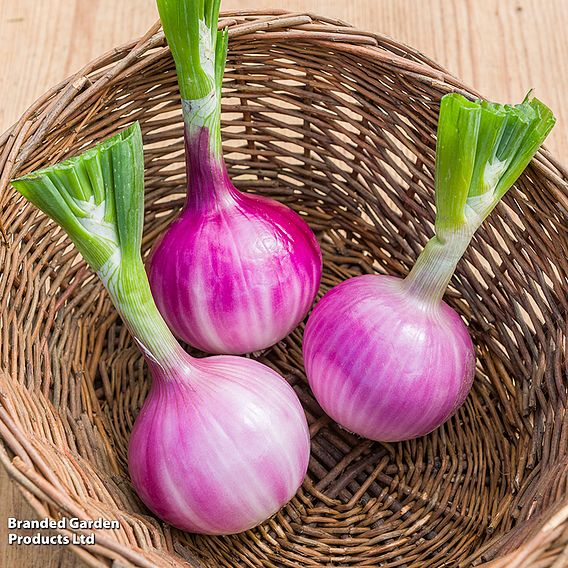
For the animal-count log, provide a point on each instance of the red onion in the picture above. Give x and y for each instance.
(387, 358)
(393, 368)
(235, 273)
(220, 443)
(220, 448)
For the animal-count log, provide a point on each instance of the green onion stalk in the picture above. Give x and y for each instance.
(482, 149)
(98, 199)
(200, 52)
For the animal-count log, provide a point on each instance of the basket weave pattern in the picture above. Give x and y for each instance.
(340, 125)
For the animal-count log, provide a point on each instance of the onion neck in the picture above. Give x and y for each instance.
(208, 183)
(199, 50)
(130, 292)
(433, 270)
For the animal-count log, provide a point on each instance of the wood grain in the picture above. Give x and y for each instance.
(500, 47)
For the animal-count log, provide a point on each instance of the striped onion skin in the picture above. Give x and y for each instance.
(219, 447)
(234, 273)
(383, 364)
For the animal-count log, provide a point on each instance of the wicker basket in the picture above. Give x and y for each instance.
(340, 125)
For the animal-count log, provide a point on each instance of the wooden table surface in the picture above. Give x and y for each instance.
(502, 48)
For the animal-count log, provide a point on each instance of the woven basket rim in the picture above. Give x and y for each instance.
(356, 40)
(25, 135)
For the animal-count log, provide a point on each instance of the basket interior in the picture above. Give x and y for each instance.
(349, 144)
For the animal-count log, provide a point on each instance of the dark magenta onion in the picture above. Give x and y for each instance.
(234, 273)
